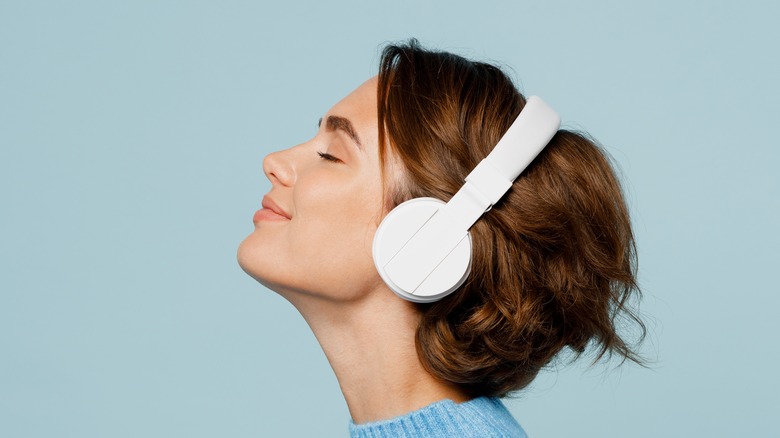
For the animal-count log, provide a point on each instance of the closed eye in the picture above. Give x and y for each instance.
(328, 157)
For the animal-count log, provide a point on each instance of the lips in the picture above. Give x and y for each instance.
(271, 205)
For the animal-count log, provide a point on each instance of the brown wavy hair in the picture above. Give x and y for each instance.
(554, 261)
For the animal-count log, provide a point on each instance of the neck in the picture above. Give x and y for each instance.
(370, 344)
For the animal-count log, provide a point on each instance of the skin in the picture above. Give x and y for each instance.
(320, 261)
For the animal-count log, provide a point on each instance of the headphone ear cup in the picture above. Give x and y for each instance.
(395, 231)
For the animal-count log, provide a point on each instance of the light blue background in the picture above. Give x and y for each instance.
(131, 140)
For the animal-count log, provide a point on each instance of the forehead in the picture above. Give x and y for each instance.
(359, 107)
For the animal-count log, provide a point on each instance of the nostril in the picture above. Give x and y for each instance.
(269, 166)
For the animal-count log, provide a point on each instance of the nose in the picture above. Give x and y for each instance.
(279, 169)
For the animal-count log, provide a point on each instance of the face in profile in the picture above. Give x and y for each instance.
(328, 192)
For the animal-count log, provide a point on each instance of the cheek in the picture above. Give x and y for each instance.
(334, 229)
(338, 216)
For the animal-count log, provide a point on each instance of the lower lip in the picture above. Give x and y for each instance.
(268, 215)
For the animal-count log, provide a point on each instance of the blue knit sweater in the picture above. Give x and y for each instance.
(483, 417)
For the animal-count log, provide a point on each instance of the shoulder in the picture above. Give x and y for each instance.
(484, 417)
(488, 417)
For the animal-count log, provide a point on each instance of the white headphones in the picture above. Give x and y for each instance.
(422, 249)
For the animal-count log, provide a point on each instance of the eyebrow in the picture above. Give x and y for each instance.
(338, 123)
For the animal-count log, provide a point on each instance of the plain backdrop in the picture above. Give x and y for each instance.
(131, 141)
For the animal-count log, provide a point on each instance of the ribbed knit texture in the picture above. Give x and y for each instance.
(483, 417)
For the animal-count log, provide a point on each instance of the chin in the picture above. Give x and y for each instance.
(253, 258)
(247, 257)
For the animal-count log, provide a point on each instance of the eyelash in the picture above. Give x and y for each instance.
(328, 157)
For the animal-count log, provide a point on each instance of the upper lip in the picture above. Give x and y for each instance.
(273, 206)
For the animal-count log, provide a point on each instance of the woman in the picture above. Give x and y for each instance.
(552, 264)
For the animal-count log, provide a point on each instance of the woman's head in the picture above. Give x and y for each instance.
(553, 262)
